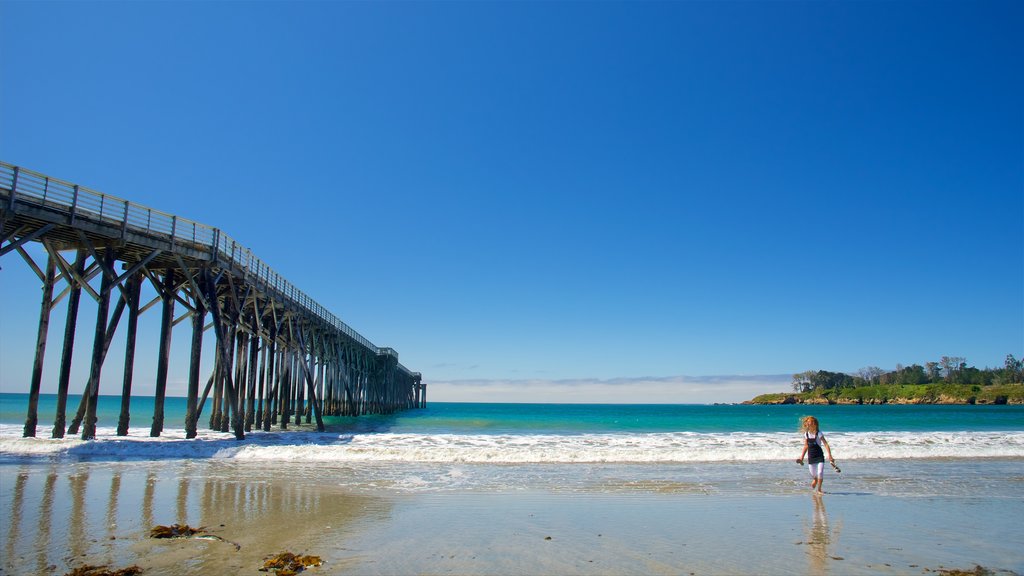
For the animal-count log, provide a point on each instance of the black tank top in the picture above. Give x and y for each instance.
(814, 452)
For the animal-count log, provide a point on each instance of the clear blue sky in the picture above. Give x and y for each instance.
(537, 197)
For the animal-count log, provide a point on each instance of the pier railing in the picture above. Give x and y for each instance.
(26, 186)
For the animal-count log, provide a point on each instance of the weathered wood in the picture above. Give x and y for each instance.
(191, 407)
(253, 365)
(300, 405)
(98, 358)
(311, 386)
(32, 418)
(316, 395)
(227, 406)
(326, 391)
(164, 353)
(222, 347)
(285, 393)
(17, 244)
(262, 383)
(218, 392)
(99, 348)
(134, 292)
(346, 381)
(70, 323)
(241, 369)
(275, 390)
(271, 380)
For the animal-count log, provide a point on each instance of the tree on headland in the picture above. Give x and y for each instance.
(913, 374)
(821, 380)
(872, 374)
(951, 367)
(1013, 369)
(802, 381)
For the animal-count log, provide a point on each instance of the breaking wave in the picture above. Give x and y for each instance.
(668, 447)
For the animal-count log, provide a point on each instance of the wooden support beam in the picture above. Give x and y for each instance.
(32, 419)
(206, 394)
(308, 372)
(103, 269)
(69, 340)
(182, 318)
(270, 349)
(262, 379)
(191, 408)
(138, 266)
(253, 365)
(102, 355)
(32, 264)
(224, 354)
(134, 291)
(197, 294)
(164, 353)
(316, 395)
(7, 235)
(99, 348)
(241, 369)
(227, 407)
(300, 387)
(284, 394)
(73, 275)
(218, 390)
(16, 244)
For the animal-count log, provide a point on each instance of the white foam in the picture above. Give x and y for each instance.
(304, 446)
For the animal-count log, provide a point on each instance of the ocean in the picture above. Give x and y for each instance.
(475, 487)
(545, 434)
(446, 431)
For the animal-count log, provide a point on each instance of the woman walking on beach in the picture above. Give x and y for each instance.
(813, 441)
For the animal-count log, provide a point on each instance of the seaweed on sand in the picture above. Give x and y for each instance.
(175, 531)
(186, 531)
(288, 564)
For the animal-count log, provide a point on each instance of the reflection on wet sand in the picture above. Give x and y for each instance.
(182, 500)
(17, 504)
(820, 539)
(45, 513)
(115, 491)
(56, 517)
(77, 540)
(147, 499)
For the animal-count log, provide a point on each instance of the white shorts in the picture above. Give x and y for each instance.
(816, 470)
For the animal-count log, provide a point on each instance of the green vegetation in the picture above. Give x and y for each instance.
(949, 381)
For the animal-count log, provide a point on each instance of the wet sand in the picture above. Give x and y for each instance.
(57, 516)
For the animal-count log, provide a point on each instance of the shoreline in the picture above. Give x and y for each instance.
(875, 518)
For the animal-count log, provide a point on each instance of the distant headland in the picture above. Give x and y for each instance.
(948, 381)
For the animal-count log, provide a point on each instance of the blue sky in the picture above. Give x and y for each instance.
(663, 201)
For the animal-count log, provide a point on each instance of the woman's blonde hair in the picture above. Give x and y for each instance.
(809, 424)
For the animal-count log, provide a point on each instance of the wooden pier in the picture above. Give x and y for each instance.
(279, 356)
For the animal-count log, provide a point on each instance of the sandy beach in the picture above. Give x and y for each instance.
(661, 520)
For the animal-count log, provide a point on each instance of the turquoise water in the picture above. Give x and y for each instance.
(606, 418)
(483, 418)
(14, 409)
